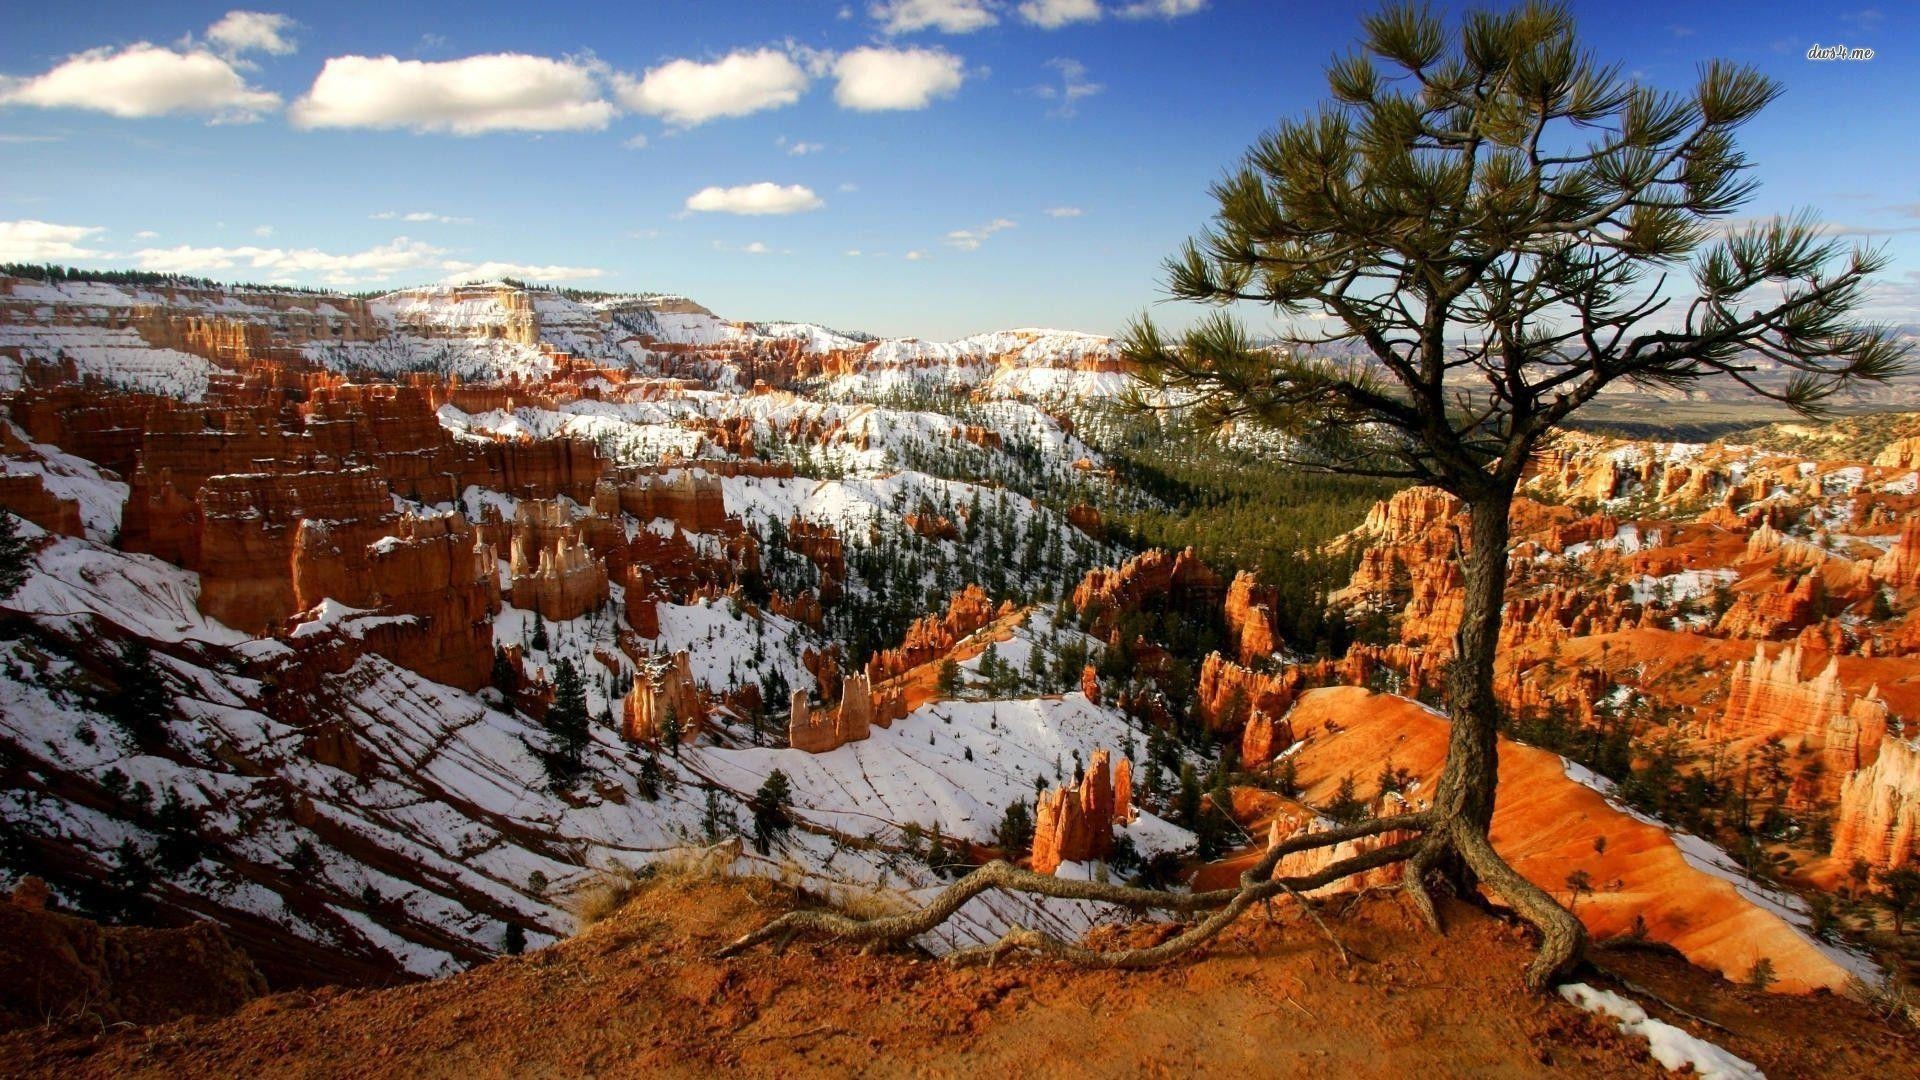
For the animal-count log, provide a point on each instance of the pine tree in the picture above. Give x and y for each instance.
(772, 806)
(1015, 833)
(142, 704)
(539, 639)
(514, 941)
(16, 552)
(567, 718)
(1491, 290)
(649, 780)
(503, 676)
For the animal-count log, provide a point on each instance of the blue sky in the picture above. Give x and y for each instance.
(989, 172)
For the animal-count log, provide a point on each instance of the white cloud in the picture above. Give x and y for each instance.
(1053, 14)
(1161, 9)
(348, 268)
(687, 92)
(263, 231)
(143, 80)
(873, 79)
(851, 253)
(635, 142)
(761, 198)
(493, 92)
(494, 271)
(146, 234)
(914, 256)
(18, 140)
(971, 239)
(800, 148)
(253, 31)
(1074, 85)
(421, 216)
(41, 241)
(755, 248)
(1064, 211)
(951, 16)
(848, 186)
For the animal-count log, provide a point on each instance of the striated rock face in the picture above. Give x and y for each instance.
(660, 690)
(693, 500)
(1768, 697)
(1076, 823)
(1090, 684)
(423, 595)
(1879, 816)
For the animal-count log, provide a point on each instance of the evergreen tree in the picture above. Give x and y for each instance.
(649, 780)
(1495, 222)
(1015, 834)
(16, 552)
(514, 941)
(142, 704)
(539, 639)
(1346, 807)
(503, 676)
(772, 806)
(567, 718)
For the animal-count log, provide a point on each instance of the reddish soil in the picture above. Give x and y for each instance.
(58, 970)
(638, 994)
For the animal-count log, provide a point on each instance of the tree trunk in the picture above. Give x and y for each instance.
(1459, 846)
(1465, 793)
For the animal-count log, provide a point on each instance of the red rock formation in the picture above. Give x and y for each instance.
(563, 581)
(1228, 693)
(1088, 520)
(693, 500)
(1090, 684)
(818, 731)
(1249, 613)
(432, 570)
(1900, 454)
(1176, 582)
(1264, 737)
(1768, 698)
(27, 497)
(1900, 566)
(1879, 815)
(661, 690)
(1788, 607)
(932, 526)
(1075, 824)
(931, 637)
(249, 537)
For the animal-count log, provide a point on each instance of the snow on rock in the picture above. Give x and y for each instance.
(1675, 1049)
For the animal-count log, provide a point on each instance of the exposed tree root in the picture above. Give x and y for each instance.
(1256, 883)
(1562, 936)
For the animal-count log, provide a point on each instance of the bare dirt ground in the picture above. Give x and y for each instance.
(639, 994)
